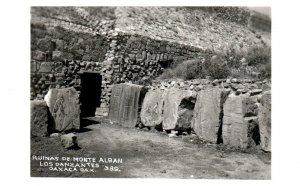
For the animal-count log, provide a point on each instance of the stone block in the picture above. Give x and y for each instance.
(33, 67)
(239, 129)
(124, 104)
(39, 118)
(69, 140)
(64, 108)
(151, 112)
(208, 112)
(57, 55)
(264, 121)
(172, 99)
(45, 67)
(38, 55)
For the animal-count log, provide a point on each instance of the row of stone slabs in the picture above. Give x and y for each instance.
(212, 115)
(215, 115)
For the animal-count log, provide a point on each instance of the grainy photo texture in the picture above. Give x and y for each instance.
(151, 92)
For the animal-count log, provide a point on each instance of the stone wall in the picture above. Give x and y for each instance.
(67, 42)
(135, 58)
(59, 56)
(143, 57)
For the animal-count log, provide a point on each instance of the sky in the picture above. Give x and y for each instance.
(264, 10)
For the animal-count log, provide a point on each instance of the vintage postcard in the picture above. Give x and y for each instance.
(151, 92)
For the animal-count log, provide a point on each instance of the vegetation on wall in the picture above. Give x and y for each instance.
(253, 64)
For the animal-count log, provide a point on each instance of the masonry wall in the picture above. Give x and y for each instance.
(59, 56)
(139, 59)
(65, 46)
(143, 57)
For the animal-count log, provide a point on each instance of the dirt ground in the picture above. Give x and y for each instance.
(151, 154)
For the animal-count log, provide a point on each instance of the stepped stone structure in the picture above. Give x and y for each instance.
(129, 44)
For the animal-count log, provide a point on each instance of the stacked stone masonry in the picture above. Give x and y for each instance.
(67, 42)
(59, 62)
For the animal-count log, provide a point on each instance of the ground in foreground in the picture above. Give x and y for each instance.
(149, 154)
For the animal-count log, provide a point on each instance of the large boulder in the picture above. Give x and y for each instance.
(64, 108)
(264, 121)
(171, 110)
(207, 114)
(240, 126)
(152, 108)
(124, 104)
(39, 118)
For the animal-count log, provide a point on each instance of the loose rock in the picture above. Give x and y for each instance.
(69, 141)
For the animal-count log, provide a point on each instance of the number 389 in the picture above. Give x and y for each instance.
(112, 168)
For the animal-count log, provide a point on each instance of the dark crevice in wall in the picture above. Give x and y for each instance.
(224, 96)
(140, 103)
(186, 110)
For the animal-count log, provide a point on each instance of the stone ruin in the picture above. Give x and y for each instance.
(83, 65)
(216, 114)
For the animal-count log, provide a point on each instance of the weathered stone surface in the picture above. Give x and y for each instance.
(264, 121)
(172, 98)
(45, 67)
(64, 108)
(39, 118)
(38, 55)
(152, 107)
(55, 135)
(207, 113)
(115, 100)
(185, 113)
(238, 127)
(250, 108)
(124, 104)
(69, 140)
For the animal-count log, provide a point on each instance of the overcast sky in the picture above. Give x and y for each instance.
(264, 10)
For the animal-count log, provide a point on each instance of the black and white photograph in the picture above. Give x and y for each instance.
(180, 92)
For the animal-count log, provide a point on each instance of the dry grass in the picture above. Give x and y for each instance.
(254, 64)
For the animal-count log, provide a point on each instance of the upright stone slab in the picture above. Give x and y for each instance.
(207, 113)
(124, 104)
(152, 107)
(115, 100)
(264, 121)
(64, 108)
(39, 118)
(239, 121)
(172, 98)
